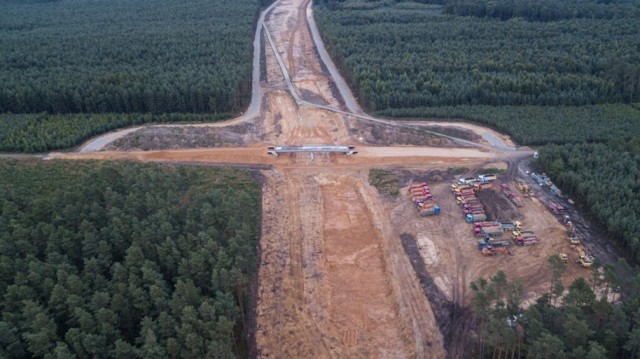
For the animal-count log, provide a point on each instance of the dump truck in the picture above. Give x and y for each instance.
(487, 178)
(466, 180)
(491, 251)
(466, 194)
(419, 185)
(474, 212)
(510, 226)
(476, 217)
(466, 190)
(527, 241)
(422, 197)
(484, 224)
(430, 211)
(469, 200)
(555, 208)
(425, 204)
(494, 231)
(459, 187)
(519, 233)
(473, 206)
(481, 186)
(499, 243)
(419, 190)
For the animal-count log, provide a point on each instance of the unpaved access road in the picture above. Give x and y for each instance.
(335, 280)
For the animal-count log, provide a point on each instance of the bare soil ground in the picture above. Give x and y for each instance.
(448, 248)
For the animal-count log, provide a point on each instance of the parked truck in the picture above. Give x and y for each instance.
(481, 186)
(484, 224)
(466, 180)
(476, 217)
(487, 178)
(510, 226)
(527, 241)
(473, 206)
(555, 207)
(518, 233)
(469, 200)
(493, 231)
(499, 243)
(430, 211)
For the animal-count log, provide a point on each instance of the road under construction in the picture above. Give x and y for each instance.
(335, 280)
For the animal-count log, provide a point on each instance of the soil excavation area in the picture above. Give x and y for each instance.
(334, 280)
(344, 271)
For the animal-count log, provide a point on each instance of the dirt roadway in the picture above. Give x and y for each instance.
(334, 281)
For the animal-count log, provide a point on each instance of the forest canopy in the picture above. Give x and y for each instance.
(408, 55)
(107, 260)
(594, 318)
(126, 56)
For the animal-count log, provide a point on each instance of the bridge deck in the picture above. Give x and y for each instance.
(312, 148)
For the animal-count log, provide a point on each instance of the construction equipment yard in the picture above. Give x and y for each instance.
(344, 270)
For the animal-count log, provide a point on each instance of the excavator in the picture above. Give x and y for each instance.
(524, 188)
(571, 233)
(583, 257)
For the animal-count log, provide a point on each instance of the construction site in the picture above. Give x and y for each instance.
(348, 272)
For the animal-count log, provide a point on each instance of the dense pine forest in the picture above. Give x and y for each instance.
(576, 323)
(605, 180)
(409, 55)
(106, 260)
(98, 57)
(43, 132)
(539, 125)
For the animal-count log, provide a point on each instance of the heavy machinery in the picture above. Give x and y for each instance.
(490, 231)
(564, 257)
(520, 234)
(468, 200)
(473, 211)
(490, 247)
(511, 226)
(555, 208)
(527, 241)
(481, 186)
(571, 232)
(524, 188)
(583, 258)
(430, 211)
(459, 187)
(466, 180)
(419, 185)
(487, 178)
(512, 196)
(476, 217)
(424, 201)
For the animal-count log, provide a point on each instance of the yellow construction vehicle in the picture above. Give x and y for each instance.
(564, 257)
(583, 258)
(524, 188)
